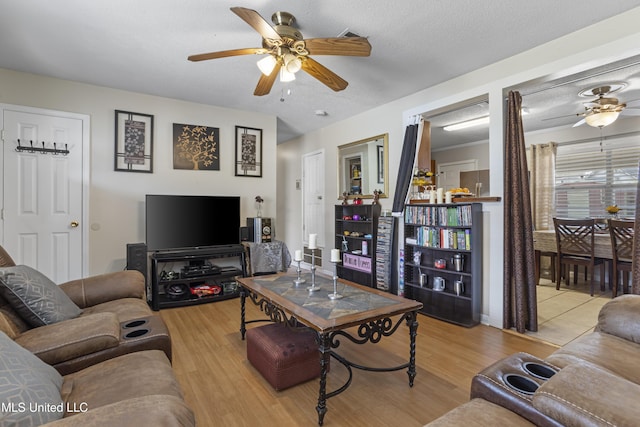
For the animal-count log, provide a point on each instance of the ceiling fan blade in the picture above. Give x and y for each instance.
(257, 22)
(227, 53)
(562, 117)
(266, 82)
(580, 123)
(325, 75)
(345, 46)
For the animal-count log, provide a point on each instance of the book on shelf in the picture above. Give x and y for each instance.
(444, 238)
(452, 216)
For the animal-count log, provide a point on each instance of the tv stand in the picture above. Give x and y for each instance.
(176, 283)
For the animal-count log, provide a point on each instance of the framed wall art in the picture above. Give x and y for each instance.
(196, 147)
(134, 142)
(248, 152)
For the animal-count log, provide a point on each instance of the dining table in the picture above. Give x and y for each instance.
(545, 241)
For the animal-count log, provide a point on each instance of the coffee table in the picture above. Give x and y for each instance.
(369, 309)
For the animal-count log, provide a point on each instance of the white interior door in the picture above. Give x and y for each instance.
(313, 211)
(449, 173)
(42, 206)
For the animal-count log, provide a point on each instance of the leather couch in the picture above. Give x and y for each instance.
(114, 319)
(594, 380)
(136, 389)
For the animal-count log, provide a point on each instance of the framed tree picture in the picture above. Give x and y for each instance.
(134, 142)
(248, 152)
(196, 147)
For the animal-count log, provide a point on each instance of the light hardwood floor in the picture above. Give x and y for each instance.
(209, 360)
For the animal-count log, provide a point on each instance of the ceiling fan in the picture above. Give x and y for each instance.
(288, 52)
(605, 109)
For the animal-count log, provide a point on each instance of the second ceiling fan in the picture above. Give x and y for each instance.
(605, 109)
(288, 52)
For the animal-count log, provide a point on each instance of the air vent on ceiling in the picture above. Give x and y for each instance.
(347, 33)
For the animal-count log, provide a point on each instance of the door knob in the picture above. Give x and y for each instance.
(74, 224)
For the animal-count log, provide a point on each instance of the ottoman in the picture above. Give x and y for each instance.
(283, 355)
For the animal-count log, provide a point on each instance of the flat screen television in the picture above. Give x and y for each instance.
(176, 222)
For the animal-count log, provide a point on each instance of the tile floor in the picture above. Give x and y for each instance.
(566, 314)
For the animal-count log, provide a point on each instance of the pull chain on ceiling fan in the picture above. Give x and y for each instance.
(288, 52)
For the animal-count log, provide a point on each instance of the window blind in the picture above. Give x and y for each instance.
(593, 175)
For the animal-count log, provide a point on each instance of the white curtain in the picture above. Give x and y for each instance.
(542, 163)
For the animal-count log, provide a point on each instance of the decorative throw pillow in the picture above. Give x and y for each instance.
(29, 388)
(36, 298)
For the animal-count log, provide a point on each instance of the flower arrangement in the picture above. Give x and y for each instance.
(612, 209)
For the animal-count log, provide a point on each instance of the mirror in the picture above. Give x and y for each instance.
(363, 167)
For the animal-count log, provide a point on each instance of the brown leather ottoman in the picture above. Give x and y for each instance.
(511, 383)
(285, 356)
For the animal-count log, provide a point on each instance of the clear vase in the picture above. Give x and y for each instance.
(259, 210)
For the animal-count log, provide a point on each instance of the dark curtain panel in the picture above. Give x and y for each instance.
(635, 274)
(519, 304)
(405, 171)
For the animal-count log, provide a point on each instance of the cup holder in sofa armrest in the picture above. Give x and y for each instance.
(521, 383)
(136, 333)
(134, 323)
(538, 370)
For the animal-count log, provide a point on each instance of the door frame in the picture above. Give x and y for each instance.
(86, 134)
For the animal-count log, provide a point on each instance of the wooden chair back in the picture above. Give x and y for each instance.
(621, 232)
(574, 236)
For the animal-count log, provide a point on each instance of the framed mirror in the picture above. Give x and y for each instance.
(363, 167)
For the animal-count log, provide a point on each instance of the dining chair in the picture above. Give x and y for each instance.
(621, 232)
(575, 242)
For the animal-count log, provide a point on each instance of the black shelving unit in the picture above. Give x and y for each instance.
(440, 232)
(167, 272)
(357, 266)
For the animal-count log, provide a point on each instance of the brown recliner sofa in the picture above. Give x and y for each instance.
(115, 320)
(136, 389)
(594, 380)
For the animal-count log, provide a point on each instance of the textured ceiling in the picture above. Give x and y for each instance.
(142, 46)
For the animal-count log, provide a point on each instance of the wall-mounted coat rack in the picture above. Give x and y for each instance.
(44, 150)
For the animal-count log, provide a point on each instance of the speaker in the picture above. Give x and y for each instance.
(137, 258)
(244, 234)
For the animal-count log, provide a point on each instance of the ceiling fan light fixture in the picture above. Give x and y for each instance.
(602, 119)
(267, 64)
(292, 63)
(286, 76)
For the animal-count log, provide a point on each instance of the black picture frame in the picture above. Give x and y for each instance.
(133, 142)
(196, 147)
(248, 152)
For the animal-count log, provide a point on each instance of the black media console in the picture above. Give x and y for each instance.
(195, 276)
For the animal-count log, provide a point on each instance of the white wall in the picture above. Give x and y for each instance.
(604, 42)
(116, 205)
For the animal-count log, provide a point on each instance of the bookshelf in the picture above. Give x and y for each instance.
(443, 245)
(355, 235)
